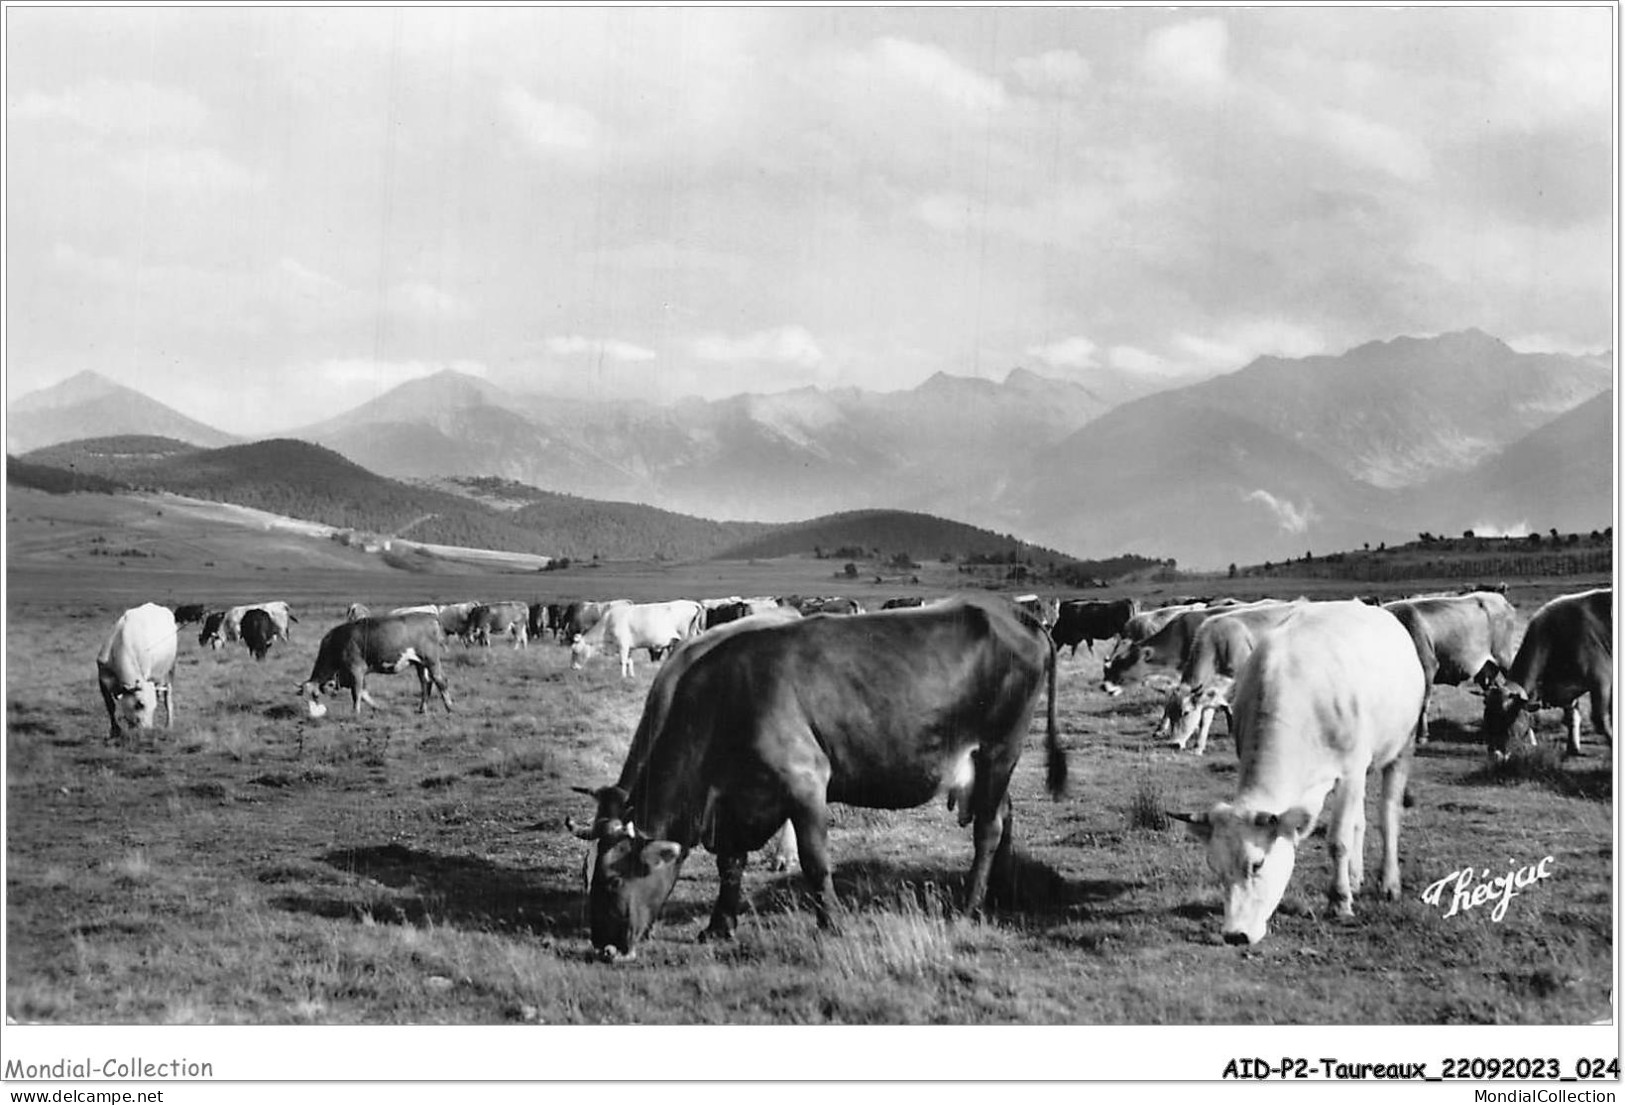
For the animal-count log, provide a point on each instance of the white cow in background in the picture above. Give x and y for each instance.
(134, 668)
(656, 625)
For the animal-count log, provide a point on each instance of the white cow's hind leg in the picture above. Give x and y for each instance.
(1394, 778)
(1207, 723)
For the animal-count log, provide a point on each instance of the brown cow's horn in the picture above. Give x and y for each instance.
(631, 830)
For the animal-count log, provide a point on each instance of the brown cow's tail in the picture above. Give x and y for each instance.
(1055, 755)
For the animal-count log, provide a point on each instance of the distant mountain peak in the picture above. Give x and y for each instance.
(87, 384)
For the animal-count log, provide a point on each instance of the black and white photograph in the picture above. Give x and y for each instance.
(1068, 517)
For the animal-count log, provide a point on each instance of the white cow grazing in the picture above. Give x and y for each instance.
(1334, 691)
(230, 628)
(639, 625)
(134, 667)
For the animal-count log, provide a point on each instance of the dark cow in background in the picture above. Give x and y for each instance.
(728, 612)
(1567, 651)
(886, 712)
(191, 612)
(504, 619)
(212, 630)
(1085, 621)
(258, 632)
(383, 644)
(1457, 638)
(1218, 652)
(902, 603)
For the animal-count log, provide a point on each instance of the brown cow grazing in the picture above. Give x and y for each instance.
(258, 632)
(1457, 638)
(1567, 651)
(1168, 647)
(1085, 621)
(883, 711)
(1218, 651)
(383, 644)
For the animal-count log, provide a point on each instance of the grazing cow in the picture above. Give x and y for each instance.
(1168, 647)
(1085, 621)
(258, 632)
(383, 644)
(1331, 693)
(639, 625)
(356, 611)
(190, 612)
(581, 617)
(1567, 651)
(658, 704)
(457, 620)
(501, 618)
(1221, 646)
(228, 626)
(135, 667)
(1457, 638)
(885, 711)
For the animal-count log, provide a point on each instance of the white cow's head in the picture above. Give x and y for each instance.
(137, 704)
(1252, 852)
(580, 652)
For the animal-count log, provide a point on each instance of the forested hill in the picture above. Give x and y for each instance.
(582, 528)
(299, 480)
(889, 533)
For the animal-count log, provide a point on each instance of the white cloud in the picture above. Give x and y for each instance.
(107, 107)
(934, 70)
(423, 300)
(1138, 360)
(1190, 55)
(551, 126)
(1076, 352)
(1287, 516)
(1373, 145)
(1054, 70)
(183, 170)
(1239, 343)
(616, 350)
(784, 345)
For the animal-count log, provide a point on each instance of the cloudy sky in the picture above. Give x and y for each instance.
(263, 217)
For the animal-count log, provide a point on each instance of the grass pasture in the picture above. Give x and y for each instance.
(252, 867)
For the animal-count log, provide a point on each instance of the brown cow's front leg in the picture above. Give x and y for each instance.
(725, 914)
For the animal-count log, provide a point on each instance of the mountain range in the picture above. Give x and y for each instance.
(1275, 459)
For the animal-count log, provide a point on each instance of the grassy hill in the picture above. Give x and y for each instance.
(889, 533)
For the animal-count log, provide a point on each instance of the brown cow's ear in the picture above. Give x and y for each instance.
(583, 834)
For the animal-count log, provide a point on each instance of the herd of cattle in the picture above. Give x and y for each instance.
(765, 710)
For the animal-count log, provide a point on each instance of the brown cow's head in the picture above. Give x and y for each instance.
(1508, 717)
(628, 876)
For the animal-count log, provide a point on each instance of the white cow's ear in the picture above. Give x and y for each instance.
(1197, 824)
(1294, 823)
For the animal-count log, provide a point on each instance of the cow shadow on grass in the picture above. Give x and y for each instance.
(1546, 767)
(1031, 890)
(394, 884)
